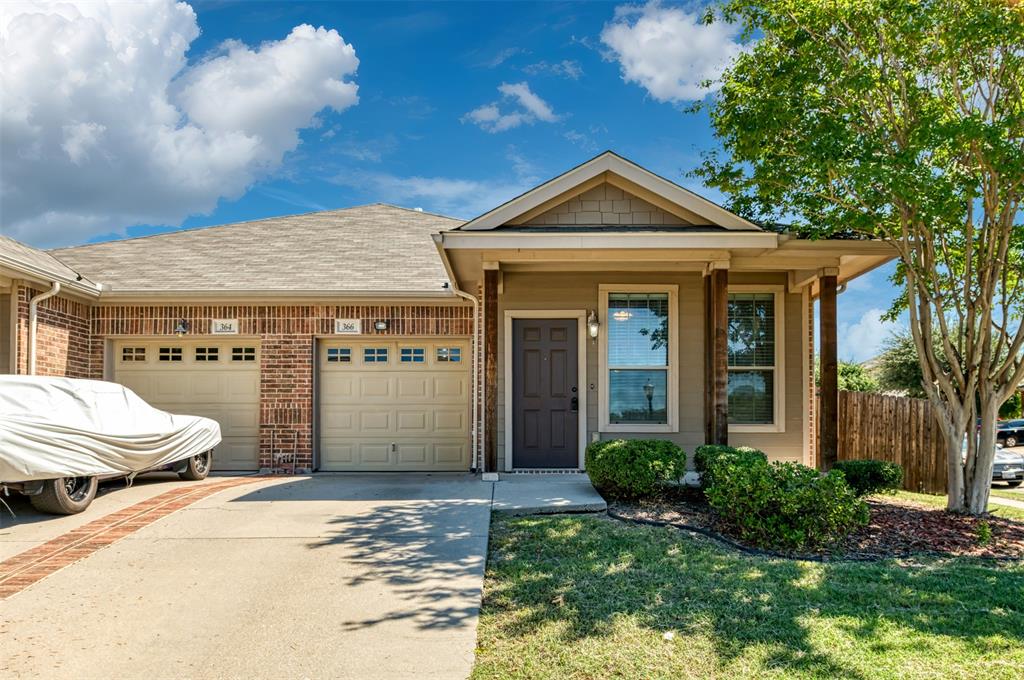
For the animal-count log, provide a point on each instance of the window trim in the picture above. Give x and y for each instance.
(672, 382)
(779, 381)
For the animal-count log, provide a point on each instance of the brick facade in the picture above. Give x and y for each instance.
(62, 335)
(286, 334)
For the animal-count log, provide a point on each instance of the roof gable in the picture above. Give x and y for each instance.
(607, 175)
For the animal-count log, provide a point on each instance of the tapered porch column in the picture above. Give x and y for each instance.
(716, 367)
(828, 448)
(491, 369)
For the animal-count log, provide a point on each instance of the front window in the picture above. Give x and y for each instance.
(638, 355)
(752, 358)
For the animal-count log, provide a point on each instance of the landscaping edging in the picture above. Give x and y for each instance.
(757, 552)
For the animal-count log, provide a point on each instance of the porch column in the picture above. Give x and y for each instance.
(716, 368)
(491, 370)
(828, 448)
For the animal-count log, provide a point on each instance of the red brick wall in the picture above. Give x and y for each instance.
(62, 335)
(286, 335)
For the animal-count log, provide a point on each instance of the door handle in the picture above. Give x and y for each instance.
(575, 403)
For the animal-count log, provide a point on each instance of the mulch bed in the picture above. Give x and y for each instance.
(898, 528)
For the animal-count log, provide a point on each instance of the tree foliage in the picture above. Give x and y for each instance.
(852, 377)
(901, 120)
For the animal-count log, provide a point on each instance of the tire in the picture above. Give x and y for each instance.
(1014, 484)
(197, 467)
(66, 495)
(1011, 441)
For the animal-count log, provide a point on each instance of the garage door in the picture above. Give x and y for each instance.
(394, 406)
(218, 380)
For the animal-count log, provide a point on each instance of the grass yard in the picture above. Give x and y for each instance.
(589, 597)
(994, 508)
(1006, 492)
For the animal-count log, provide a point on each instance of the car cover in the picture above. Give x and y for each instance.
(64, 427)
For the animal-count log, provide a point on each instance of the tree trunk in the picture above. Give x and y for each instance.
(954, 468)
(979, 482)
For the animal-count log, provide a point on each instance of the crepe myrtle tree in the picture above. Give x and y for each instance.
(900, 120)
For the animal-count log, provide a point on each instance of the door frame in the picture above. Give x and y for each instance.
(581, 377)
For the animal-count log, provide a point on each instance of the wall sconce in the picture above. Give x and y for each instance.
(380, 325)
(593, 325)
(181, 327)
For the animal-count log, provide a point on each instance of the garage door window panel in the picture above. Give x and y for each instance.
(207, 353)
(412, 355)
(133, 354)
(170, 354)
(243, 354)
(375, 355)
(339, 355)
(449, 354)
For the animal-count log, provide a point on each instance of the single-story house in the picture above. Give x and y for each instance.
(606, 302)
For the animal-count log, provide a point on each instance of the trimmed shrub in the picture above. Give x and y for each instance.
(784, 505)
(708, 454)
(633, 468)
(867, 477)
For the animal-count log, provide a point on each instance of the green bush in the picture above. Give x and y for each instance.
(867, 477)
(708, 454)
(783, 505)
(633, 468)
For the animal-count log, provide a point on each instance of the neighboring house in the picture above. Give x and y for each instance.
(606, 302)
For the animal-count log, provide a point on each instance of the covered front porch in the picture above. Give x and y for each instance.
(597, 324)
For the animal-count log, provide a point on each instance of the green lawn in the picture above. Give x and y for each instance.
(940, 502)
(1006, 492)
(589, 597)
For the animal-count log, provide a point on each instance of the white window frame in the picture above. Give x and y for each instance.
(672, 397)
(779, 380)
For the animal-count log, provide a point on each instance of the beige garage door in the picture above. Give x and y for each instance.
(394, 406)
(215, 379)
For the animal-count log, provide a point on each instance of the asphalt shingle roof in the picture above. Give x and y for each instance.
(17, 253)
(380, 248)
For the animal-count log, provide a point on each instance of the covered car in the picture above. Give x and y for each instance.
(65, 433)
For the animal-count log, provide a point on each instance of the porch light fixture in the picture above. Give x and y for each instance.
(181, 327)
(593, 325)
(380, 325)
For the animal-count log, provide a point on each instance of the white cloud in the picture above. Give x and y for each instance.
(567, 68)
(453, 196)
(669, 51)
(529, 108)
(863, 340)
(105, 124)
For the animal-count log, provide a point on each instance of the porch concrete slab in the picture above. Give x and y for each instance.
(530, 494)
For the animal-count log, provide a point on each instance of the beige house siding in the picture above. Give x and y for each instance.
(579, 291)
(605, 204)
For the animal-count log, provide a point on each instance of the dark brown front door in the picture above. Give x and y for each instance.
(545, 394)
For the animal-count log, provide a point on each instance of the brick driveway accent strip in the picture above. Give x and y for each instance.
(24, 569)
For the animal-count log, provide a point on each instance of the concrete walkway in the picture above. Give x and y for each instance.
(341, 576)
(528, 494)
(1009, 502)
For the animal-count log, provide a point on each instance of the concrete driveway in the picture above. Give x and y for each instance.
(329, 576)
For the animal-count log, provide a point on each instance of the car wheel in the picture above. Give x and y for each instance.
(66, 495)
(197, 467)
(1014, 484)
(1011, 441)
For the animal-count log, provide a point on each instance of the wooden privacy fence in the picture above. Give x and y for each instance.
(896, 429)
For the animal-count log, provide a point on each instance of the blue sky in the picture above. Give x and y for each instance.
(459, 107)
